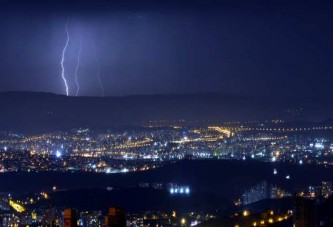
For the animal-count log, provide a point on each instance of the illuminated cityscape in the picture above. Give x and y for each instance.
(148, 147)
(166, 113)
(143, 149)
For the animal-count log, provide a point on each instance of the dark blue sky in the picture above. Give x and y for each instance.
(148, 47)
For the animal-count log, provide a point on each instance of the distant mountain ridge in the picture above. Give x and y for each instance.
(40, 112)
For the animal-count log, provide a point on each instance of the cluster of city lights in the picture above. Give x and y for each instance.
(180, 190)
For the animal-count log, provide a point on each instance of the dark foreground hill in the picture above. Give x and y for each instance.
(39, 112)
(214, 184)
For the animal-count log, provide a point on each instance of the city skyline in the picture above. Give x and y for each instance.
(138, 113)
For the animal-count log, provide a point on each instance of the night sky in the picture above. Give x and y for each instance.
(161, 47)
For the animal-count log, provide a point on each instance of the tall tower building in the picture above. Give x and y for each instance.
(70, 218)
(305, 212)
(256, 193)
(116, 217)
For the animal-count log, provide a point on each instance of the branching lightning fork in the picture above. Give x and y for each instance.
(98, 70)
(63, 59)
(76, 70)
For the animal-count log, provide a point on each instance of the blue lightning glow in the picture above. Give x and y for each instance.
(63, 59)
(76, 69)
(98, 70)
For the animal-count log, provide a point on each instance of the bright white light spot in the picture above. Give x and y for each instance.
(58, 154)
(273, 159)
(287, 177)
(319, 145)
(300, 162)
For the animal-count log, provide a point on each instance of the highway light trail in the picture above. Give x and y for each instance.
(63, 59)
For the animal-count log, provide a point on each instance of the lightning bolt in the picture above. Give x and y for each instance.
(77, 68)
(98, 70)
(63, 59)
